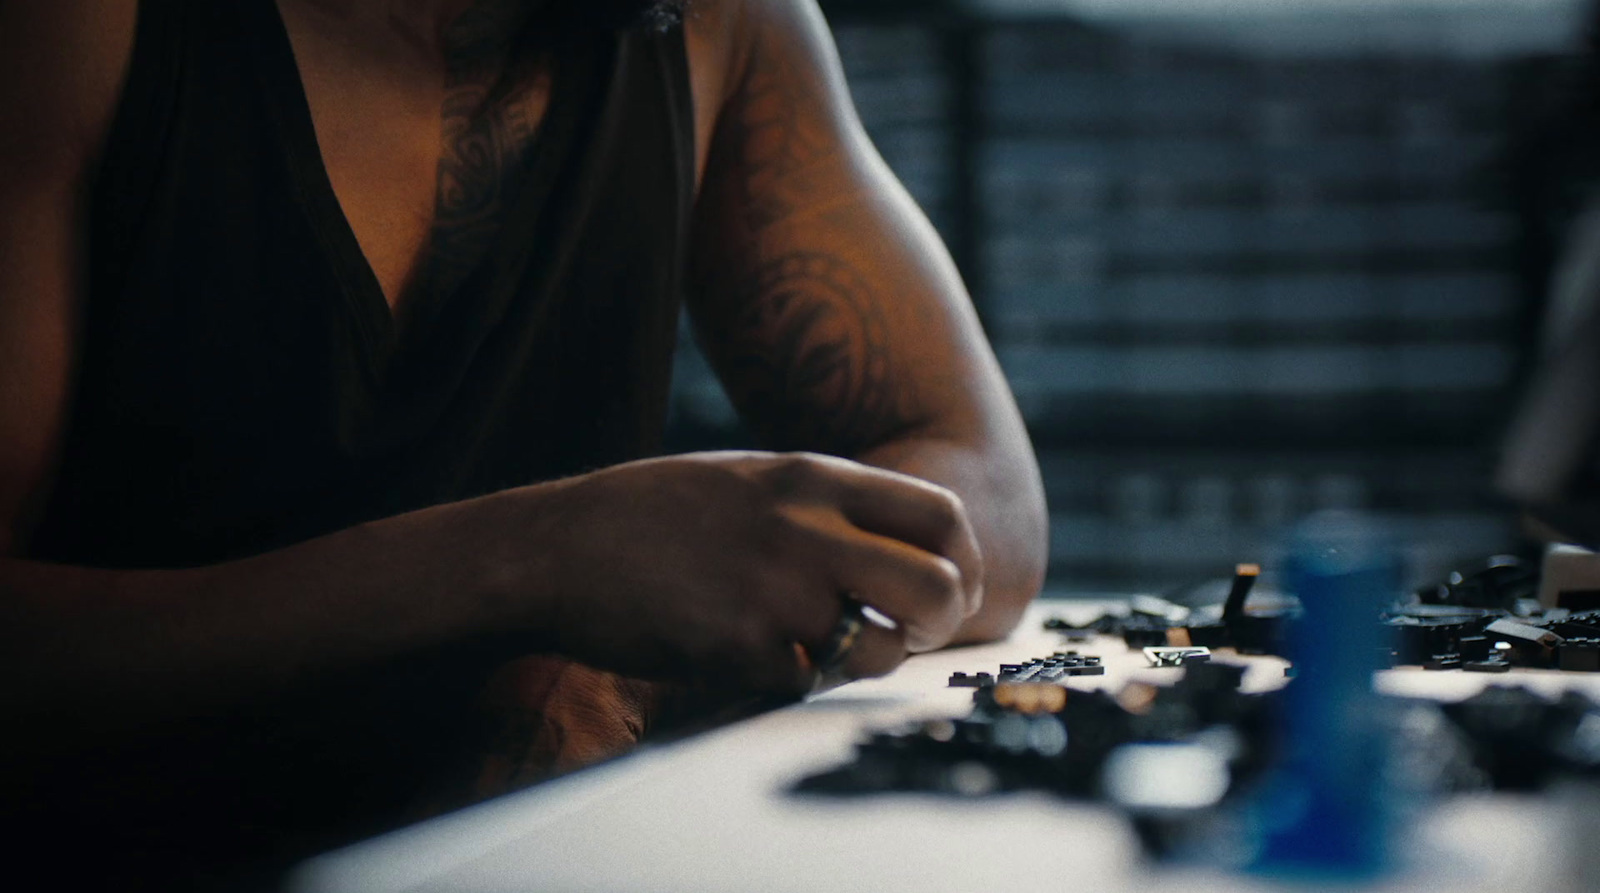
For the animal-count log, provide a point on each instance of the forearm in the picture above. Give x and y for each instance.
(122, 649)
(998, 481)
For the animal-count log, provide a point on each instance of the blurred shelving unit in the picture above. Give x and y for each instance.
(1240, 260)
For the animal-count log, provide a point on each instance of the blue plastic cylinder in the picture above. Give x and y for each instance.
(1328, 811)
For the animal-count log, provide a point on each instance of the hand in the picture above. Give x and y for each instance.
(718, 564)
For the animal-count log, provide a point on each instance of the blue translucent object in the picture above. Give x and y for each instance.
(1328, 812)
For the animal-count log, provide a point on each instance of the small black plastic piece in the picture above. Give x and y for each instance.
(1244, 579)
(1581, 655)
(1522, 634)
(1473, 647)
(1209, 635)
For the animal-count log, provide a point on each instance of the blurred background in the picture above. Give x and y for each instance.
(1240, 259)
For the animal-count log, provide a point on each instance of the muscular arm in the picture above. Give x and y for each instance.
(711, 566)
(832, 312)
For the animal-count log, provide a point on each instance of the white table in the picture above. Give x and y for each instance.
(711, 814)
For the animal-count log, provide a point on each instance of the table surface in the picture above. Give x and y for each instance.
(712, 813)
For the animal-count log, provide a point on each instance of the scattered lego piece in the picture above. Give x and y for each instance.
(1473, 648)
(1090, 666)
(1175, 657)
(1206, 635)
(1582, 625)
(1017, 672)
(1443, 662)
(1416, 639)
(1038, 670)
(1079, 633)
(1259, 632)
(1244, 579)
(975, 680)
(1522, 635)
(1143, 630)
(1030, 697)
(1580, 655)
(1151, 606)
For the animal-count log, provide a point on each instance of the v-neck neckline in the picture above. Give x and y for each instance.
(382, 329)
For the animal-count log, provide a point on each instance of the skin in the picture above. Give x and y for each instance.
(900, 470)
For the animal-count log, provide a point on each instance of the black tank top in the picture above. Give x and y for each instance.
(242, 386)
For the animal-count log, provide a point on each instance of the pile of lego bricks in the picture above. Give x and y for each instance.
(1433, 635)
(1039, 736)
(1026, 731)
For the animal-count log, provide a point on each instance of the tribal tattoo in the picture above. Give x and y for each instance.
(797, 331)
(491, 113)
(779, 143)
(805, 352)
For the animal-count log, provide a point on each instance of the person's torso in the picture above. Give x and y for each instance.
(244, 381)
(422, 139)
(243, 384)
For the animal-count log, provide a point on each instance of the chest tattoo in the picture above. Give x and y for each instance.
(491, 113)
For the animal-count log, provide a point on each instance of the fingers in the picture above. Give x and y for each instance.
(922, 592)
(913, 511)
(790, 668)
(776, 662)
(821, 528)
(897, 507)
(925, 593)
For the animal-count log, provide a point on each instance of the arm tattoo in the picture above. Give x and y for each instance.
(777, 143)
(804, 350)
(797, 332)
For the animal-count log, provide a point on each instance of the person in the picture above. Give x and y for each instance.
(334, 347)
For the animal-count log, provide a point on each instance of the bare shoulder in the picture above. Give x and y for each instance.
(770, 93)
(731, 34)
(740, 47)
(62, 66)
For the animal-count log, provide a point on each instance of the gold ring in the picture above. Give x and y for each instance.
(846, 630)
